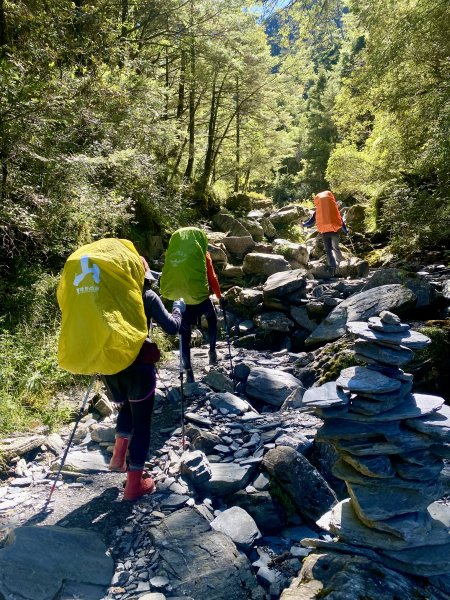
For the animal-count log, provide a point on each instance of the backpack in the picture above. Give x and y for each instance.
(184, 273)
(100, 296)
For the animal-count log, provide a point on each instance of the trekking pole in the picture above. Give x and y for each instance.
(227, 335)
(80, 414)
(351, 241)
(182, 394)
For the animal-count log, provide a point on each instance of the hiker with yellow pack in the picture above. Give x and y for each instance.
(107, 306)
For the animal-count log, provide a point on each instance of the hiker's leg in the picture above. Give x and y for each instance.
(142, 395)
(187, 319)
(117, 389)
(211, 318)
(335, 245)
(328, 244)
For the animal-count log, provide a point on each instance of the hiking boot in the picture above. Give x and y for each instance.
(118, 462)
(138, 485)
(212, 354)
(189, 376)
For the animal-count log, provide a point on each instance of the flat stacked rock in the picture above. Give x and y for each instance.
(390, 443)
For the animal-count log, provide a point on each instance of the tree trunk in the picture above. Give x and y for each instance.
(237, 171)
(3, 34)
(181, 85)
(191, 127)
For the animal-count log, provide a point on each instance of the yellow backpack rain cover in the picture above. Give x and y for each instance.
(100, 296)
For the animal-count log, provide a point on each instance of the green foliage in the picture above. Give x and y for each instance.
(30, 379)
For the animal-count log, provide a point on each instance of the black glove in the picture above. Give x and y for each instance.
(223, 303)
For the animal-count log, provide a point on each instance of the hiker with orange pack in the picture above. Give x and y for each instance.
(329, 223)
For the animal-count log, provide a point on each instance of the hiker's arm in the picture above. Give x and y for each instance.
(212, 277)
(311, 221)
(154, 309)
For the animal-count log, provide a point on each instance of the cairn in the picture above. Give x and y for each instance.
(391, 443)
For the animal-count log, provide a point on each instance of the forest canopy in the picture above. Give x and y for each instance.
(133, 117)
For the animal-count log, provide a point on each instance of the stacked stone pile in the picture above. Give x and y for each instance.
(391, 443)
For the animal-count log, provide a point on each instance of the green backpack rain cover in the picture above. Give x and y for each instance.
(100, 296)
(184, 272)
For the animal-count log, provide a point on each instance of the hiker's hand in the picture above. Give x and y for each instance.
(223, 303)
(345, 229)
(180, 305)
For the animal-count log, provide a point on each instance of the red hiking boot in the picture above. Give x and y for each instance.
(137, 485)
(118, 461)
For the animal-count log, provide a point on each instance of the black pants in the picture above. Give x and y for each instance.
(191, 315)
(134, 389)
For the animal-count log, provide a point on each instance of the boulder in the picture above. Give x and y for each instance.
(226, 222)
(360, 307)
(307, 489)
(355, 218)
(237, 524)
(264, 264)
(418, 285)
(238, 246)
(271, 385)
(287, 215)
(274, 321)
(291, 251)
(285, 283)
(254, 228)
(193, 548)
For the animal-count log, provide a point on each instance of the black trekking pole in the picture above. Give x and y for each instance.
(182, 394)
(227, 335)
(80, 414)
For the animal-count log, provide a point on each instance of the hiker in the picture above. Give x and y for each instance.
(134, 390)
(188, 272)
(107, 307)
(329, 223)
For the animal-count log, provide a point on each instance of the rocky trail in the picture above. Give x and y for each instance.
(257, 507)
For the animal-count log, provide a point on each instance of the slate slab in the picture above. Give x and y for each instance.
(272, 386)
(398, 356)
(362, 379)
(410, 339)
(238, 525)
(325, 396)
(436, 425)
(202, 563)
(360, 307)
(414, 405)
(46, 562)
(227, 478)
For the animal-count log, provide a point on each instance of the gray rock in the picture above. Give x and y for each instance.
(396, 356)
(203, 563)
(287, 215)
(195, 466)
(85, 462)
(360, 307)
(250, 298)
(264, 264)
(45, 562)
(291, 251)
(301, 316)
(379, 467)
(227, 478)
(219, 381)
(267, 512)
(420, 287)
(308, 490)
(381, 402)
(436, 425)
(325, 396)
(233, 404)
(409, 339)
(350, 577)
(271, 385)
(353, 267)
(227, 223)
(238, 525)
(274, 321)
(284, 283)
(239, 246)
(377, 324)
(362, 379)
(414, 405)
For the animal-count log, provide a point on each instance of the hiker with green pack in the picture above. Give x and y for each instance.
(107, 306)
(188, 272)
